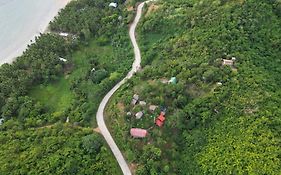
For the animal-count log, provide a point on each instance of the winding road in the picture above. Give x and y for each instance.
(100, 114)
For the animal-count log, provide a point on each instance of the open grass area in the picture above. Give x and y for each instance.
(55, 96)
(85, 95)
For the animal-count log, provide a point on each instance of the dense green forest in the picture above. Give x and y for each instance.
(58, 149)
(48, 105)
(219, 119)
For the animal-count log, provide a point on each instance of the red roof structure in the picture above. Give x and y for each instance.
(160, 119)
(138, 133)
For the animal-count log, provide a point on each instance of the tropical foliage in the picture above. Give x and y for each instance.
(220, 119)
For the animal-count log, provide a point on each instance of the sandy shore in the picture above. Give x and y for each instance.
(19, 26)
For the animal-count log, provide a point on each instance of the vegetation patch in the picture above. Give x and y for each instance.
(218, 118)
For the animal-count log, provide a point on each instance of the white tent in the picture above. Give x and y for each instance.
(113, 4)
(1, 121)
(62, 59)
(63, 34)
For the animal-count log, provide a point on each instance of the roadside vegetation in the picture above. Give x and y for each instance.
(49, 95)
(57, 149)
(219, 119)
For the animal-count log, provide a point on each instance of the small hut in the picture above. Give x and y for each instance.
(138, 133)
(152, 108)
(160, 119)
(142, 103)
(139, 115)
(135, 99)
(227, 62)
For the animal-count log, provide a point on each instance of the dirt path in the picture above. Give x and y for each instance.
(100, 114)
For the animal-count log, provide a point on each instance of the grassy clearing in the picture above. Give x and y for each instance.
(55, 96)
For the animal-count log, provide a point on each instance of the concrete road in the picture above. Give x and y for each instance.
(100, 114)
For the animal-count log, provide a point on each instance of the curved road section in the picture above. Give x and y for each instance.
(100, 117)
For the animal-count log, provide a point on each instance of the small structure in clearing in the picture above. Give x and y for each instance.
(62, 59)
(113, 4)
(139, 115)
(138, 133)
(219, 83)
(226, 62)
(142, 103)
(160, 119)
(173, 80)
(63, 34)
(152, 108)
(164, 80)
(135, 99)
(1, 121)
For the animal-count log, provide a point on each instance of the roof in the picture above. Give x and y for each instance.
(142, 103)
(63, 34)
(62, 59)
(138, 133)
(136, 97)
(139, 115)
(227, 62)
(173, 80)
(161, 117)
(134, 102)
(160, 120)
(152, 107)
(159, 123)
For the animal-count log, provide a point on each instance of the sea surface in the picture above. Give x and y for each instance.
(21, 21)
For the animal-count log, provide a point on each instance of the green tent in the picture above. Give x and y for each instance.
(173, 80)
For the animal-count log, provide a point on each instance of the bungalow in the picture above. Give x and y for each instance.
(152, 108)
(142, 103)
(135, 99)
(227, 62)
(138, 133)
(160, 119)
(139, 115)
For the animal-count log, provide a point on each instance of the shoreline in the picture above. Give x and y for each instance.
(12, 52)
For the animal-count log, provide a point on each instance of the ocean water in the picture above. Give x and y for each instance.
(21, 21)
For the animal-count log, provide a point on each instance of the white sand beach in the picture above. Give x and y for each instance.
(21, 21)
